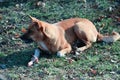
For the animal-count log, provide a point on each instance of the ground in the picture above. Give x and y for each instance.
(100, 62)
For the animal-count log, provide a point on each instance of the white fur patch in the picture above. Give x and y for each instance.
(59, 54)
(42, 44)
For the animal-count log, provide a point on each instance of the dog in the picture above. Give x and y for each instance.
(59, 37)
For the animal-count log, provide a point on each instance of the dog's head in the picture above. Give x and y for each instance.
(35, 31)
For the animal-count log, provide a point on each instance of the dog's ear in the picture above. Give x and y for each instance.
(42, 26)
(36, 23)
(33, 19)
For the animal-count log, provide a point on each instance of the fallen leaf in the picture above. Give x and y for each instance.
(23, 30)
(17, 35)
(93, 71)
(70, 61)
(0, 17)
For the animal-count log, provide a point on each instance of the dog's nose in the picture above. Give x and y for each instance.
(25, 39)
(21, 37)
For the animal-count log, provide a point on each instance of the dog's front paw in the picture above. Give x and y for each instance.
(80, 49)
(60, 54)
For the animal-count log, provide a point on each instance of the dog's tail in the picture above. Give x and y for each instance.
(109, 39)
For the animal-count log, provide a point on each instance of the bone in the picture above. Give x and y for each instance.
(34, 58)
(30, 63)
(37, 53)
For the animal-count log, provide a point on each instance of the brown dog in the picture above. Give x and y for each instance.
(58, 37)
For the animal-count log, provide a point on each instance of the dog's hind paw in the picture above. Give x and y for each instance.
(59, 54)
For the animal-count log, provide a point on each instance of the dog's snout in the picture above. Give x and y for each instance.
(21, 37)
(26, 39)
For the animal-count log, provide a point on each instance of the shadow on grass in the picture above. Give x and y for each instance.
(20, 58)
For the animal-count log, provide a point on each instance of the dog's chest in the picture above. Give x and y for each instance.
(43, 46)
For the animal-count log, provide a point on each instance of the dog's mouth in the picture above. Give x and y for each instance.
(25, 39)
(28, 41)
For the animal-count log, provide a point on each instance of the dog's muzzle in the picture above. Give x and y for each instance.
(26, 39)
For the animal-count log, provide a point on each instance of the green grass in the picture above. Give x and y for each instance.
(14, 54)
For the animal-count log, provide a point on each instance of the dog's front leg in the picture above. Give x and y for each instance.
(35, 57)
(64, 51)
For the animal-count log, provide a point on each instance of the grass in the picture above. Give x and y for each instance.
(100, 62)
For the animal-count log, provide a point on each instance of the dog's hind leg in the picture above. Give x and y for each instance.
(87, 45)
(86, 33)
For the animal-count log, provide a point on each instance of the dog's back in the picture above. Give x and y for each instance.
(70, 26)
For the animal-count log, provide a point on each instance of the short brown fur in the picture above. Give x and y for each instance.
(58, 37)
